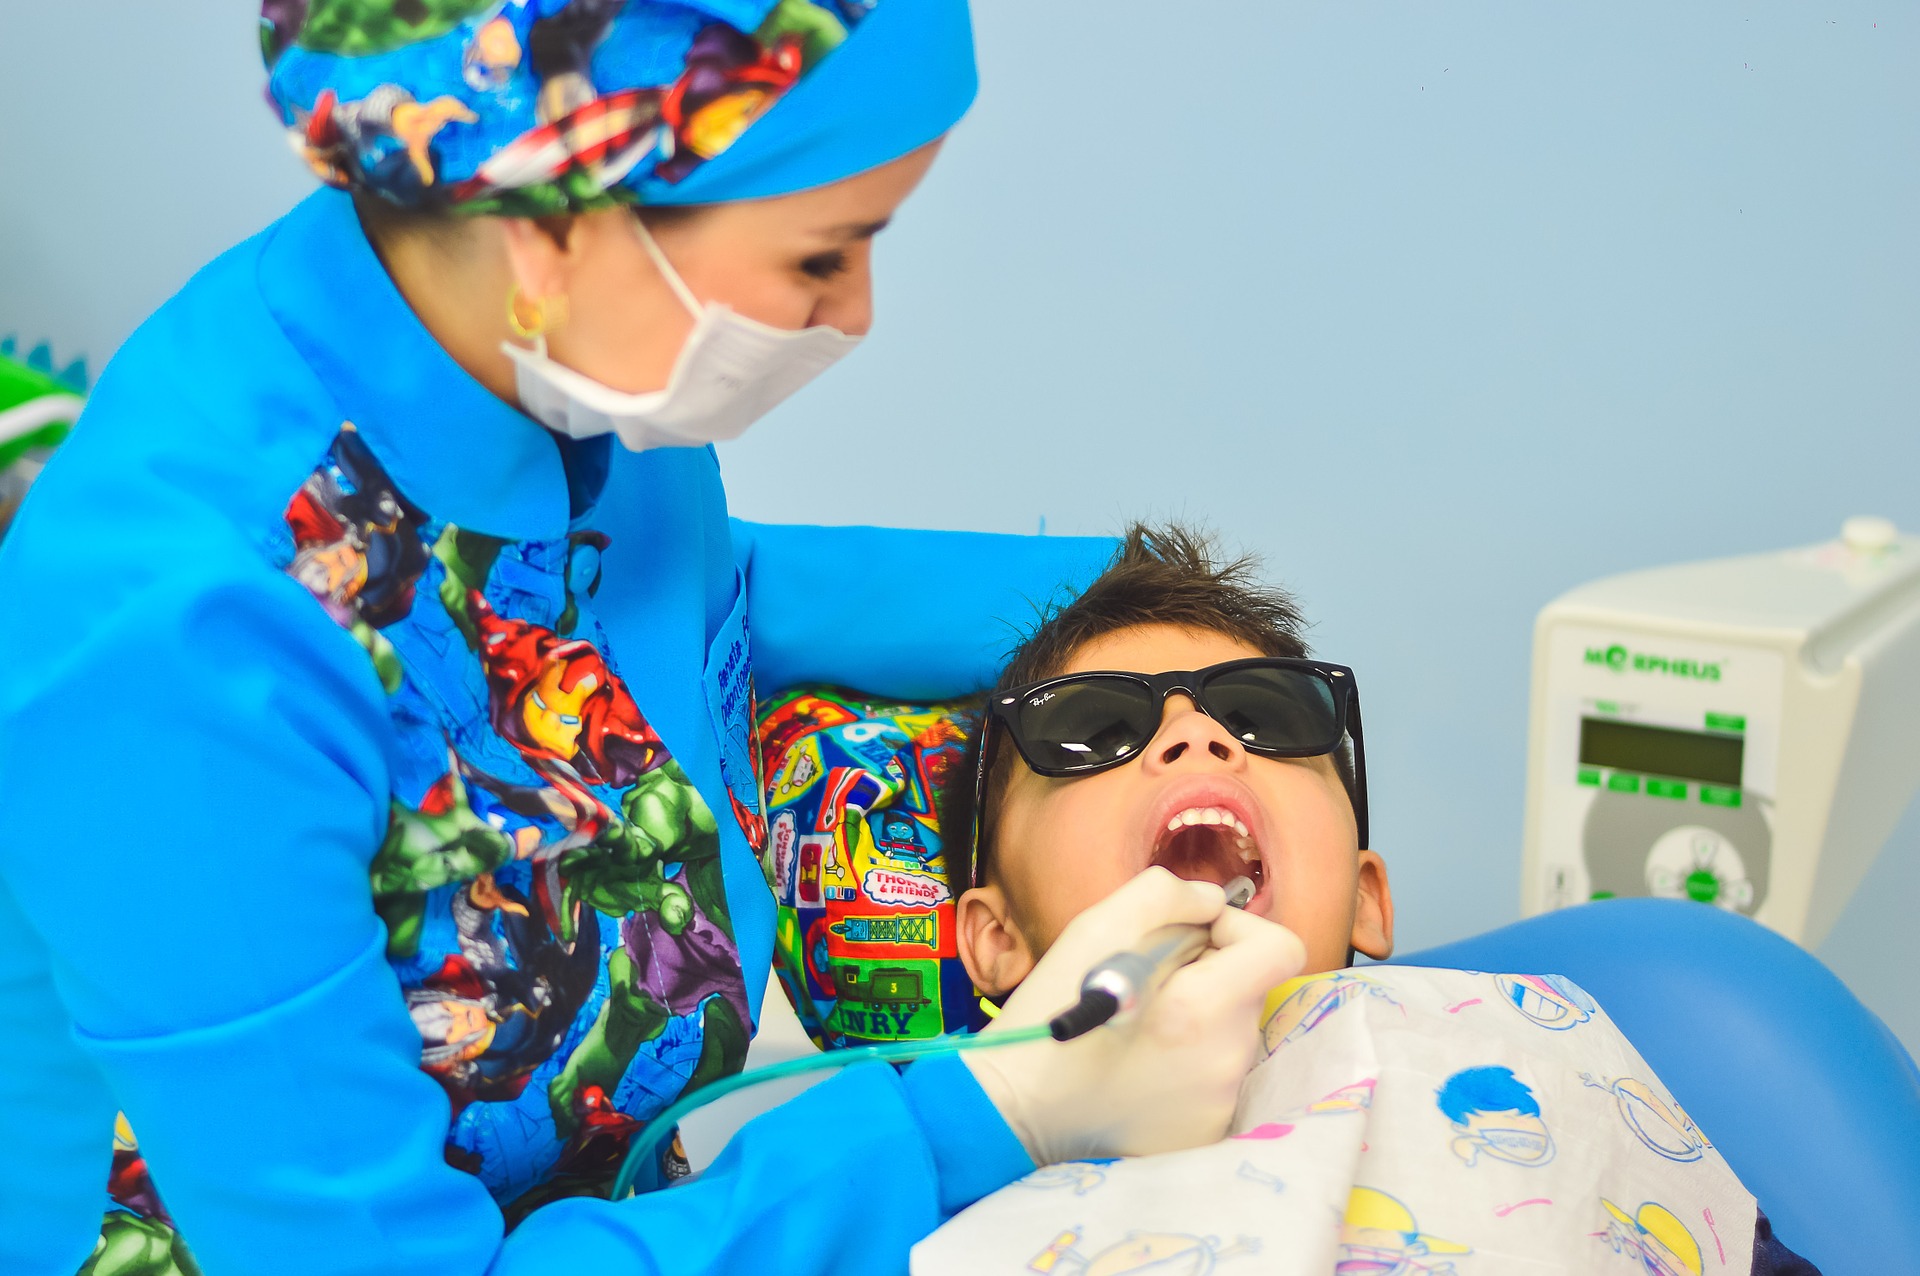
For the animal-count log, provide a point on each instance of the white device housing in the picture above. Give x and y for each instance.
(1744, 732)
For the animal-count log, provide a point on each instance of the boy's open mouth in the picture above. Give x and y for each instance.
(1208, 844)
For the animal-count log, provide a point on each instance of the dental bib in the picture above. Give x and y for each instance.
(1403, 1121)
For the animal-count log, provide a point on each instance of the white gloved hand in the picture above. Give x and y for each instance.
(1168, 1077)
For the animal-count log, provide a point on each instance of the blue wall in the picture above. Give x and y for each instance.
(1443, 309)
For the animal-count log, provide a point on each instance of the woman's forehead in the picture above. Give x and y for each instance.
(1158, 649)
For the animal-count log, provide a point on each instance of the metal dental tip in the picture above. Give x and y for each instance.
(1240, 892)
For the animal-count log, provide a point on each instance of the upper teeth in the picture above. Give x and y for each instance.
(1207, 815)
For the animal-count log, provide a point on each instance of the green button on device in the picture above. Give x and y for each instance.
(1589, 775)
(1667, 789)
(1713, 796)
(1726, 722)
(1623, 783)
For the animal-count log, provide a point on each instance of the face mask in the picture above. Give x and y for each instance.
(731, 372)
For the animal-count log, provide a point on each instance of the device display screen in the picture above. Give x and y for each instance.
(1685, 755)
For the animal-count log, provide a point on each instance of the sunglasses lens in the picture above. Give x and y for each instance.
(1276, 710)
(1077, 725)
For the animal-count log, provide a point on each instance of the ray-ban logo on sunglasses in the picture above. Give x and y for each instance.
(1037, 701)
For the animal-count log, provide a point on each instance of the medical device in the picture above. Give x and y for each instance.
(1123, 982)
(1115, 987)
(1743, 732)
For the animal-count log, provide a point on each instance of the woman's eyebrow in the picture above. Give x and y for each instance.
(850, 232)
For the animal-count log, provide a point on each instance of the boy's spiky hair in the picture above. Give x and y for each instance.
(1163, 574)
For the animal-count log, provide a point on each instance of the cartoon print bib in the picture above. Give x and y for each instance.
(1403, 1122)
(550, 878)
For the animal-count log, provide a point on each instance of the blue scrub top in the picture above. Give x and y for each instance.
(381, 815)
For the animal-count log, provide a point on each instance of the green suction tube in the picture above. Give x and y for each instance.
(640, 1172)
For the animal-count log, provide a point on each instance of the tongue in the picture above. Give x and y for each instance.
(1201, 853)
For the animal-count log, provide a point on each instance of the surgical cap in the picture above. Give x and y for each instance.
(530, 107)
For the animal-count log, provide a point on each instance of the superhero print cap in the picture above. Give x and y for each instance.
(533, 107)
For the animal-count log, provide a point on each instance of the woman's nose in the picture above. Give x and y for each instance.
(848, 305)
(1189, 738)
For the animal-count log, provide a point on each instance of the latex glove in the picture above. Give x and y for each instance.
(1167, 1078)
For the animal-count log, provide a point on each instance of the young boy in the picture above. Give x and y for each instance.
(1201, 802)
(1170, 715)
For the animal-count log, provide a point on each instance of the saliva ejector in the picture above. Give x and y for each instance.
(1114, 989)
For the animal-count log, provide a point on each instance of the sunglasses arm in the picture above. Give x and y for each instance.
(1355, 734)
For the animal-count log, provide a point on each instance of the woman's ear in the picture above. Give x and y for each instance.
(1373, 909)
(539, 254)
(995, 953)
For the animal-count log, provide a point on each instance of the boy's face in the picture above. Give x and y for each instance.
(1061, 845)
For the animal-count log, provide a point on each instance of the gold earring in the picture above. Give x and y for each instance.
(549, 314)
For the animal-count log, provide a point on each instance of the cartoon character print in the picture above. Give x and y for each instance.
(137, 1235)
(865, 941)
(388, 135)
(1494, 1114)
(1654, 1236)
(1141, 1253)
(1379, 1237)
(730, 81)
(550, 878)
(557, 702)
(789, 723)
(1356, 1097)
(495, 1011)
(495, 105)
(1659, 1123)
(357, 547)
(493, 57)
(1301, 1005)
(1552, 1001)
(1078, 1177)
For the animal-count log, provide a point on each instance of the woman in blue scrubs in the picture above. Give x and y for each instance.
(376, 713)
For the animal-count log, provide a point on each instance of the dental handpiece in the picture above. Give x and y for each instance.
(1122, 983)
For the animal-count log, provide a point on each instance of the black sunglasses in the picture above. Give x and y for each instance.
(1085, 723)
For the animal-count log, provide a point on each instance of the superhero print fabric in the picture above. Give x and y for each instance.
(550, 878)
(865, 941)
(528, 107)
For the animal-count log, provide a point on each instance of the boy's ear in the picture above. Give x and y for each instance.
(995, 953)
(1373, 911)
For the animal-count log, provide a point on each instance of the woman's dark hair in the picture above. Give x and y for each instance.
(385, 221)
(1163, 574)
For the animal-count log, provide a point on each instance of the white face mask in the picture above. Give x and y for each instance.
(732, 371)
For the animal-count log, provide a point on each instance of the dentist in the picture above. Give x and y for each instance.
(379, 805)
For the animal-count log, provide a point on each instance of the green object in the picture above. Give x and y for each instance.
(644, 1154)
(36, 410)
(1605, 706)
(897, 997)
(1714, 796)
(818, 31)
(1726, 722)
(1621, 782)
(1702, 886)
(356, 28)
(1667, 789)
(1589, 775)
(1602, 895)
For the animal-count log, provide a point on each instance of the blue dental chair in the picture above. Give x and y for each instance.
(1803, 1090)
